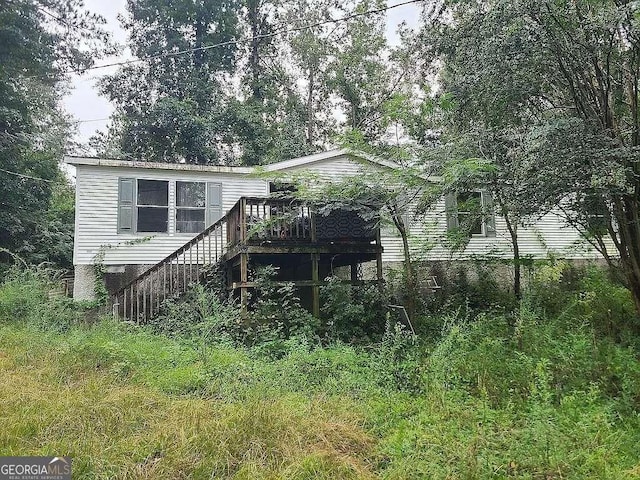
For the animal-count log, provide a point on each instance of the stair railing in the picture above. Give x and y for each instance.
(251, 218)
(142, 298)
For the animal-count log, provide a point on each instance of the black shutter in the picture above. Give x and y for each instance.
(214, 202)
(126, 194)
(451, 210)
(489, 214)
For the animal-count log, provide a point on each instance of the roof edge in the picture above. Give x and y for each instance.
(118, 163)
(329, 154)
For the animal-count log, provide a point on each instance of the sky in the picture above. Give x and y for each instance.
(92, 111)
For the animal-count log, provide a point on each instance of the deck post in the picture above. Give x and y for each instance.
(354, 273)
(243, 219)
(244, 278)
(379, 258)
(315, 289)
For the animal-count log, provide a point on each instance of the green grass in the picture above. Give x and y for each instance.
(127, 404)
(544, 399)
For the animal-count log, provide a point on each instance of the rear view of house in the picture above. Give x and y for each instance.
(135, 220)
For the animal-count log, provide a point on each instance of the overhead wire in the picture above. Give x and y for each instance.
(248, 39)
(22, 175)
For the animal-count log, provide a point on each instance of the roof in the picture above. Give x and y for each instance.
(319, 157)
(283, 165)
(111, 162)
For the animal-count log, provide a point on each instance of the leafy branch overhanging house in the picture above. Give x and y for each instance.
(152, 227)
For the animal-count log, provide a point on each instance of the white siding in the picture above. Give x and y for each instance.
(97, 201)
(97, 212)
(549, 235)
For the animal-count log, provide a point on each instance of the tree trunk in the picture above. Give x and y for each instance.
(513, 233)
(310, 115)
(410, 278)
(253, 14)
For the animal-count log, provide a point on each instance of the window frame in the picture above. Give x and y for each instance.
(487, 214)
(481, 219)
(177, 207)
(127, 205)
(137, 206)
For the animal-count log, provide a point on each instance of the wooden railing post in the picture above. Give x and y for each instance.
(313, 235)
(243, 219)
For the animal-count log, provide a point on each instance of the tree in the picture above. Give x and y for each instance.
(173, 107)
(312, 51)
(39, 42)
(491, 163)
(361, 75)
(566, 74)
(268, 112)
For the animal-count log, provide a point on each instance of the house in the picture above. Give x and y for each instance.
(132, 215)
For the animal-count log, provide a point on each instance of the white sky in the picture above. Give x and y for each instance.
(92, 111)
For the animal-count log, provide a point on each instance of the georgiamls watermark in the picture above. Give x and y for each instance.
(35, 468)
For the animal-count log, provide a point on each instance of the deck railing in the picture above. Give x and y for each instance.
(255, 219)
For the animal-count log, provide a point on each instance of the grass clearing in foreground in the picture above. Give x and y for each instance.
(96, 394)
(119, 429)
(527, 396)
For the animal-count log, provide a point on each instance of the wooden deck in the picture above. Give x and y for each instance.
(302, 244)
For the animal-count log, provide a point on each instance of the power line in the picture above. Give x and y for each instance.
(256, 37)
(64, 22)
(26, 176)
(92, 120)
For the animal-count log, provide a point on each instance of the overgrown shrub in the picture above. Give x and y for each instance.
(607, 306)
(399, 359)
(30, 294)
(473, 287)
(538, 360)
(551, 289)
(353, 314)
(199, 314)
(276, 314)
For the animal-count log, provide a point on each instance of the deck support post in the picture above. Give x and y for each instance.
(244, 278)
(379, 259)
(354, 273)
(315, 290)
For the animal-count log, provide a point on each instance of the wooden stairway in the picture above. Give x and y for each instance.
(142, 298)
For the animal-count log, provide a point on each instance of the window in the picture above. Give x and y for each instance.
(281, 189)
(191, 207)
(143, 206)
(470, 212)
(152, 202)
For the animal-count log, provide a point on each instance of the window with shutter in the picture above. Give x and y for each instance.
(471, 212)
(143, 205)
(214, 202)
(152, 206)
(191, 206)
(126, 195)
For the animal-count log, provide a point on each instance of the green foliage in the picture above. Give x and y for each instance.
(534, 363)
(354, 315)
(276, 314)
(525, 395)
(52, 241)
(172, 108)
(530, 96)
(31, 295)
(200, 315)
(607, 306)
(40, 41)
(473, 287)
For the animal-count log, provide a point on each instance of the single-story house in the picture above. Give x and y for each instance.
(130, 215)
